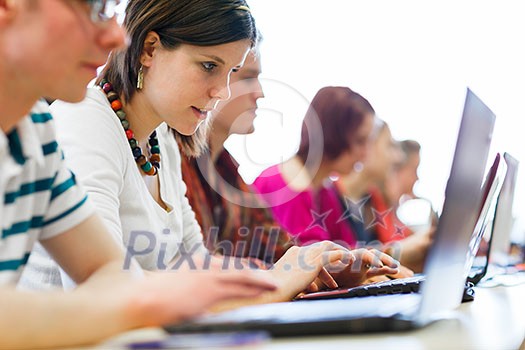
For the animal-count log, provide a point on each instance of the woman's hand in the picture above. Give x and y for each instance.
(301, 266)
(404, 272)
(369, 263)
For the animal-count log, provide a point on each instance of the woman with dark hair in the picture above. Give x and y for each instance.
(334, 138)
(121, 141)
(233, 218)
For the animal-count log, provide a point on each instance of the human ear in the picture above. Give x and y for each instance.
(151, 44)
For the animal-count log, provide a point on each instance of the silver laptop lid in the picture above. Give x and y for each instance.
(490, 194)
(503, 219)
(445, 264)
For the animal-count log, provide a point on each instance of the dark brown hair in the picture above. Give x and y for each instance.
(194, 22)
(339, 111)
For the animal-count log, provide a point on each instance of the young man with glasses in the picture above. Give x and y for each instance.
(52, 48)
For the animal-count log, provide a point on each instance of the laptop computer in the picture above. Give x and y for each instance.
(444, 268)
(490, 192)
(503, 219)
(483, 229)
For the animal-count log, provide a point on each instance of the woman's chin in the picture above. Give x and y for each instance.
(251, 130)
(238, 130)
(188, 130)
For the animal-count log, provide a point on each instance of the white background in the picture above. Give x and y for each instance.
(413, 60)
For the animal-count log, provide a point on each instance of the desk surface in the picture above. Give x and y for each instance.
(494, 320)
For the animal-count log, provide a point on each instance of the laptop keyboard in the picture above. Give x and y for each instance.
(395, 286)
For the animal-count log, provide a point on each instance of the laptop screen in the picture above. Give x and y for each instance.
(503, 219)
(490, 193)
(446, 261)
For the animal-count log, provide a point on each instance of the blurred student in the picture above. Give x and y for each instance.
(371, 198)
(334, 138)
(403, 180)
(407, 169)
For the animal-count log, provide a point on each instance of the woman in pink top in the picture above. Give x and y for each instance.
(334, 137)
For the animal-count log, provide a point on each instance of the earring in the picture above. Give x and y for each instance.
(140, 78)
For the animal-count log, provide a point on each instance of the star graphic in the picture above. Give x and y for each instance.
(294, 240)
(318, 219)
(400, 231)
(353, 209)
(379, 218)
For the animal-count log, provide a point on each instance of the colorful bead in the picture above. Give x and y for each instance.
(121, 114)
(149, 167)
(153, 142)
(112, 96)
(155, 158)
(146, 167)
(125, 124)
(137, 152)
(107, 87)
(116, 105)
(152, 171)
(141, 160)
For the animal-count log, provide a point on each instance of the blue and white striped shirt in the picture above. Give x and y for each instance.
(40, 195)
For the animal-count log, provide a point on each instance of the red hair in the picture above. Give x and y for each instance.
(340, 112)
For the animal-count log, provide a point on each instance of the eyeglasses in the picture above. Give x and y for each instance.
(103, 10)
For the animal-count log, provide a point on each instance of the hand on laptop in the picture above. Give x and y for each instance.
(301, 266)
(404, 272)
(368, 263)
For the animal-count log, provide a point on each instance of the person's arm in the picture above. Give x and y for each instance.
(80, 241)
(34, 320)
(109, 303)
(109, 299)
(84, 249)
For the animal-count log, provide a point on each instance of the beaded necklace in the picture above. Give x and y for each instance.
(148, 166)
